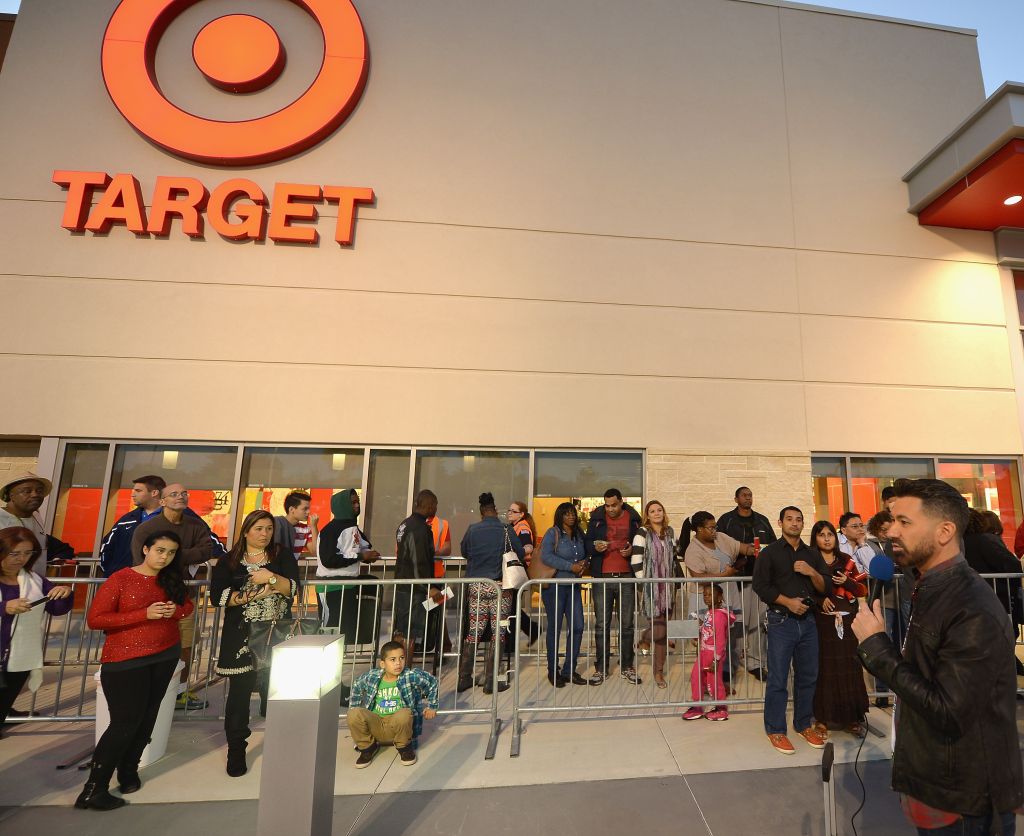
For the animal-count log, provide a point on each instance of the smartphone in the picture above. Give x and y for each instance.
(37, 603)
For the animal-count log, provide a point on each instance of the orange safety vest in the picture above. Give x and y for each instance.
(441, 533)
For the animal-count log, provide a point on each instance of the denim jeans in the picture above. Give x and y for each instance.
(623, 597)
(790, 641)
(565, 602)
(975, 826)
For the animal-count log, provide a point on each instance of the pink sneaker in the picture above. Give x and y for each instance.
(693, 713)
(717, 714)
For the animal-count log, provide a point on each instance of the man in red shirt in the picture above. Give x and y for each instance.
(610, 547)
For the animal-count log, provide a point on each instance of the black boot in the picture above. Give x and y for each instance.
(236, 759)
(489, 671)
(467, 658)
(128, 780)
(95, 794)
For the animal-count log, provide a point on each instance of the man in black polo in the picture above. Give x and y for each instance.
(956, 760)
(744, 524)
(791, 578)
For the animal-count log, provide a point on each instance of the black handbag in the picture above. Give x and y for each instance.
(265, 635)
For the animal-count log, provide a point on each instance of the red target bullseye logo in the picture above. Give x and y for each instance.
(241, 54)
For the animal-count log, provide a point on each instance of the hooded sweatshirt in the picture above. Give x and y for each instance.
(341, 542)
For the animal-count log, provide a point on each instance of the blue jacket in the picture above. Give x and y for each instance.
(597, 529)
(483, 545)
(414, 685)
(116, 546)
(568, 551)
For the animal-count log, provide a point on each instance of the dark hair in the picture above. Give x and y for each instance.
(877, 521)
(560, 513)
(817, 528)
(938, 498)
(423, 497)
(782, 513)
(486, 501)
(171, 579)
(845, 518)
(690, 525)
(153, 483)
(295, 499)
(234, 557)
(740, 488)
(888, 492)
(10, 537)
(387, 647)
(608, 494)
(981, 521)
(716, 590)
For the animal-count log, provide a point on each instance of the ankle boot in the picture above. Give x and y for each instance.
(236, 767)
(489, 672)
(467, 658)
(128, 780)
(95, 794)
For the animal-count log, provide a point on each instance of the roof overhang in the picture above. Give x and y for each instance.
(966, 180)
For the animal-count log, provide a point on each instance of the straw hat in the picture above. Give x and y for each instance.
(23, 476)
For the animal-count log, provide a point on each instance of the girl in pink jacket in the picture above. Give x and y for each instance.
(714, 644)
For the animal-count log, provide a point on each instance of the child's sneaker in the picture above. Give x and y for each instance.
(366, 755)
(717, 714)
(407, 755)
(693, 713)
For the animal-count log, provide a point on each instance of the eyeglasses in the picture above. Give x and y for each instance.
(710, 526)
(25, 554)
(176, 494)
(513, 511)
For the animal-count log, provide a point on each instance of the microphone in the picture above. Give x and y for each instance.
(881, 568)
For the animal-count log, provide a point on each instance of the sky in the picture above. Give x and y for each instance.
(999, 24)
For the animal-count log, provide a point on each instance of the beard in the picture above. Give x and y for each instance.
(912, 558)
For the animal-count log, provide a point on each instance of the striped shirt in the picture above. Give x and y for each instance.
(303, 534)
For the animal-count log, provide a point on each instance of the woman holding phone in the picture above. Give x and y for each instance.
(564, 550)
(139, 608)
(24, 595)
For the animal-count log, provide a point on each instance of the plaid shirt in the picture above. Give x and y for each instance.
(414, 685)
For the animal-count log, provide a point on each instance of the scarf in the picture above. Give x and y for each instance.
(659, 547)
(26, 652)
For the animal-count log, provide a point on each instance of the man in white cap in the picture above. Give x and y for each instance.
(24, 494)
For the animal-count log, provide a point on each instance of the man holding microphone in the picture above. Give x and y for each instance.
(956, 755)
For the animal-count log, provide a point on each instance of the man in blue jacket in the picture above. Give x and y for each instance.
(116, 547)
(610, 548)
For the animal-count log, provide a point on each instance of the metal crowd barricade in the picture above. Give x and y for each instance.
(535, 692)
(365, 613)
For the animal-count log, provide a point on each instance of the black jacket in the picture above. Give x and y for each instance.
(956, 721)
(987, 554)
(597, 529)
(745, 529)
(415, 556)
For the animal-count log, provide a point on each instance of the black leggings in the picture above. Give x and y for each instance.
(236, 708)
(9, 693)
(133, 697)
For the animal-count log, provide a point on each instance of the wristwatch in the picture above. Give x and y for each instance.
(273, 580)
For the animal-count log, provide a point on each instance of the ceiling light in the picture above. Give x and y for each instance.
(1013, 201)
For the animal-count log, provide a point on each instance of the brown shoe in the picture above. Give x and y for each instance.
(821, 729)
(781, 744)
(814, 740)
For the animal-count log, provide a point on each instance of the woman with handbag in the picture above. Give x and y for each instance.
(654, 548)
(21, 623)
(138, 608)
(521, 520)
(483, 547)
(563, 554)
(255, 583)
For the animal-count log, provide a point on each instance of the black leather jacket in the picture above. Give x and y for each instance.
(956, 683)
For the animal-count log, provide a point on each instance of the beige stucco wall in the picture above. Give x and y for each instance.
(678, 226)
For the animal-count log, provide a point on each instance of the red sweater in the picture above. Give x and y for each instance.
(119, 609)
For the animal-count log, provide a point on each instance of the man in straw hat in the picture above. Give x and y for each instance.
(24, 494)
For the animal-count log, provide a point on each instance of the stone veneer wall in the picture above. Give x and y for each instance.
(17, 456)
(686, 481)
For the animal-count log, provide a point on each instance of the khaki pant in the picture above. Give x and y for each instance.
(187, 631)
(367, 727)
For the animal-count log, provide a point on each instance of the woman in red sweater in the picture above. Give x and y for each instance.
(139, 608)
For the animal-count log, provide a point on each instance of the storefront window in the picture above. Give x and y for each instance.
(868, 475)
(79, 495)
(458, 477)
(988, 485)
(207, 472)
(582, 478)
(829, 485)
(387, 497)
(269, 474)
